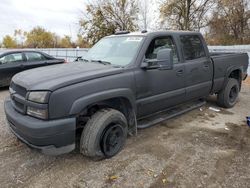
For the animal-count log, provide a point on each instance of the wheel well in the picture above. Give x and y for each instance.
(121, 104)
(236, 74)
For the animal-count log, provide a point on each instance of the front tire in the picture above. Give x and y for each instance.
(227, 98)
(104, 135)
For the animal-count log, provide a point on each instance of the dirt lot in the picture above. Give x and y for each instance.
(202, 148)
(247, 81)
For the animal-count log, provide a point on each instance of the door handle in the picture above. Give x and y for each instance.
(206, 66)
(179, 72)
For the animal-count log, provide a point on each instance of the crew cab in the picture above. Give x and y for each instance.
(124, 79)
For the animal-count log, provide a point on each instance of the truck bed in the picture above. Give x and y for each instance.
(223, 62)
(215, 54)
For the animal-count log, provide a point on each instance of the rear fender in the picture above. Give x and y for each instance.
(229, 71)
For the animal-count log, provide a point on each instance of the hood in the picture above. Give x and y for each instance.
(57, 76)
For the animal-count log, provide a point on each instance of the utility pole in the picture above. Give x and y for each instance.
(145, 14)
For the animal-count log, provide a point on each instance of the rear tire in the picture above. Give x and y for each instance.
(104, 135)
(227, 98)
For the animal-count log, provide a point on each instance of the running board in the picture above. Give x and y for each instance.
(169, 113)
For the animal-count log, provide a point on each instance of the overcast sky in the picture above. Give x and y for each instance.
(59, 16)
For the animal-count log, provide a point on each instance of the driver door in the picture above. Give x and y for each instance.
(160, 89)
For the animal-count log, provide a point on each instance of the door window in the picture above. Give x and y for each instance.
(11, 58)
(161, 43)
(33, 56)
(192, 47)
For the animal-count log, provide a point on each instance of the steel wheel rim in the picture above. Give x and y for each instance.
(112, 140)
(233, 94)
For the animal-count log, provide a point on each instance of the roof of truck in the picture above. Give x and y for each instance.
(145, 33)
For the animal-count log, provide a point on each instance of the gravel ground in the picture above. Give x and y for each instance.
(247, 81)
(202, 148)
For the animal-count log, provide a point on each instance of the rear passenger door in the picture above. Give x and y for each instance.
(34, 59)
(198, 66)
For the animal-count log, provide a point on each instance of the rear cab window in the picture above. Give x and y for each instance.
(192, 47)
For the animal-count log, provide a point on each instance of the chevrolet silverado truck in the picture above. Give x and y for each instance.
(125, 82)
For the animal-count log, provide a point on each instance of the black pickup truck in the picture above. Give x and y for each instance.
(124, 81)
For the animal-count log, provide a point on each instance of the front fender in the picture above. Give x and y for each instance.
(85, 101)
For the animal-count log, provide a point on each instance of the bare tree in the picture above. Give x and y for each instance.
(149, 14)
(185, 14)
(144, 10)
(104, 17)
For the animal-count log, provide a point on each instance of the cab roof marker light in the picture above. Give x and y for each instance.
(121, 32)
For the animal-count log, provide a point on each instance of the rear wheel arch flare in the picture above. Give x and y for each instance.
(236, 74)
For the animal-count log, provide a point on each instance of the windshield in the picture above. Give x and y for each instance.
(118, 50)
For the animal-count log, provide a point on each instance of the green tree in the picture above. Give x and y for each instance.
(106, 16)
(185, 14)
(9, 42)
(65, 42)
(38, 37)
(56, 40)
(81, 42)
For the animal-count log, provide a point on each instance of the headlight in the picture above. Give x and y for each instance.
(39, 113)
(38, 96)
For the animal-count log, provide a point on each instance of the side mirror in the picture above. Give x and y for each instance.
(163, 61)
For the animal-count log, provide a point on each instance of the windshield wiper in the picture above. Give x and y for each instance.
(101, 61)
(81, 59)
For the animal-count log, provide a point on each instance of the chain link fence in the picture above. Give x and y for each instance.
(70, 54)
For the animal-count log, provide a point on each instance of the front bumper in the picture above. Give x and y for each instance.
(52, 137)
